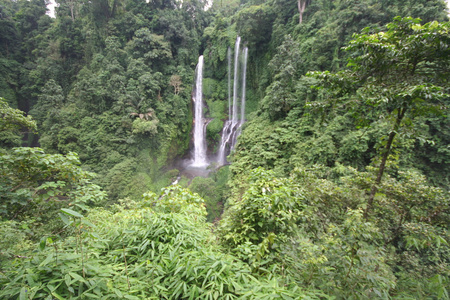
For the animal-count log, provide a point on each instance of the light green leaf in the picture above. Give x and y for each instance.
(57, 296)
(72, 213)
(23, 293)
(47, 260)
(86, 222)
(65, 219)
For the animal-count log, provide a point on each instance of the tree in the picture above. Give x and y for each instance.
(12, 121)
(33, 182)
(72, 5)
(153, 48)
(8, 30)
(175, 81)
(207, 189)
(268, 209)
(49, 102)
(280, 95)
(395, 75)
(301, 9)
(255, 24)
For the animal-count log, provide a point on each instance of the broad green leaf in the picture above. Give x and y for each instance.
(43, 243)
(67, 279)
(72, 213)
(23, 293)
(84, 221)
(76, 277)
(47, 260)
(65, 219)
(58, 296)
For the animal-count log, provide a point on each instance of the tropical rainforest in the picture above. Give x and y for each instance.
(338, 186)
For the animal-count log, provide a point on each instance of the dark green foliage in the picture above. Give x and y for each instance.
(207, 189)
(362, 256)
(220, 36)
(33, 183)
(49, 102)
(11, 123)
(397, 75)
(213, 130)
(269, 206)
(325, 241)
(98, 76)
(254, 24)
(14, 241)
(111, 80)
(281, 93)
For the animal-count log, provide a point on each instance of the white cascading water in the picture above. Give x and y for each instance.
(229, 80)
(244, 76)
(200, 159)
(231, 128)
(236, 80)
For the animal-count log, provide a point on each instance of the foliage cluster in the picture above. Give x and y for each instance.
(313, 231)
(157, 248)
(337, 192)
(107, 80)
(347, 161)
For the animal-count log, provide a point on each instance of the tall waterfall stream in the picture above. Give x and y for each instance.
(237, 69)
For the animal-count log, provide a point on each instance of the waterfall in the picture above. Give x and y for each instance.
(229, 80)
(236, 109)
(199, 122)
(237, 69)
(244, 76)
(236, 79)
(225, 140)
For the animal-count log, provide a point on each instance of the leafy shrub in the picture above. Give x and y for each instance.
(163, 250)
(259, 222)
(33, 182)
(346, 260)
(213, 129)
(14, 242)
(174, 199)
(206, 188)
(11, 123)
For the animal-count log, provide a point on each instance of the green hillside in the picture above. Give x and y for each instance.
(338, 186)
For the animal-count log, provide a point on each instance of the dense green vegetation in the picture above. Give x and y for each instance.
(338, 187)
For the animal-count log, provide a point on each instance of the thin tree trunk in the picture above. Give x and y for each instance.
(301, 9)
(71, 13)
(72, 8)
(386, 152)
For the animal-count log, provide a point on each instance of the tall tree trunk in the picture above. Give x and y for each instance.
(71, 4)
(301, 9)
(386, 152)
(71, 12)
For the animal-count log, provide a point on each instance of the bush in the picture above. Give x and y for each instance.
(163, 250)
(206, 188)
